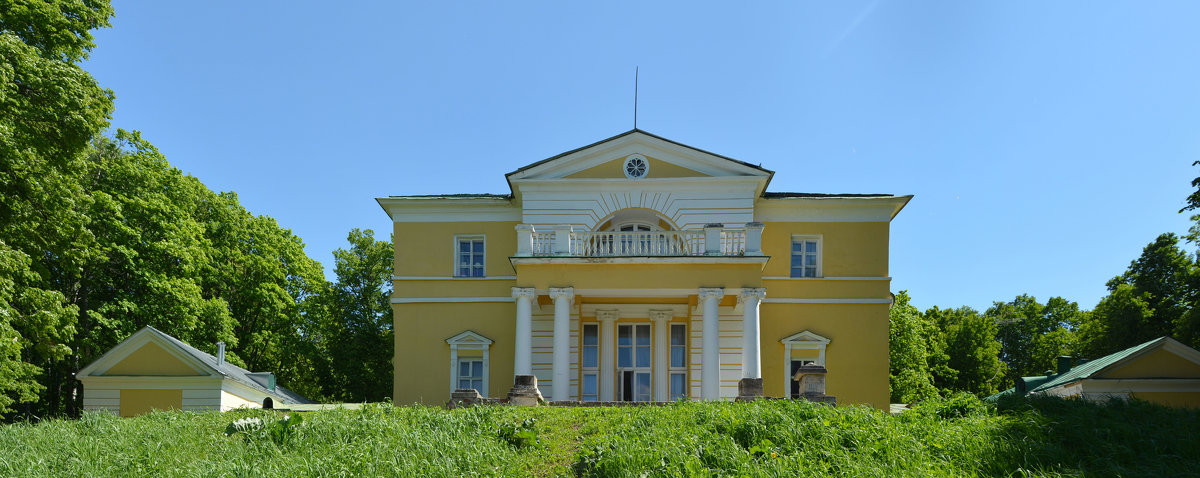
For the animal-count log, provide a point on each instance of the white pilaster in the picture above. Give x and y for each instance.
(453, 367)
(751, 355)
(524, 240)
(608, 345)
(710, 377)
(523, 345)
(754, 232)
(562, 239)
(662, 353)
(712, 239)
(562, 341)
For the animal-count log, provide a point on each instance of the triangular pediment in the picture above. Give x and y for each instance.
(805, 338)
(148, 352)
(1166, 359)
(469, 338)
(657, 168)
(667, 159)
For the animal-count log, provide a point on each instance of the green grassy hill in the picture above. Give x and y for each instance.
(956, 437)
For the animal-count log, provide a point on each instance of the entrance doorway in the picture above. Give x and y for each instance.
(634, 379)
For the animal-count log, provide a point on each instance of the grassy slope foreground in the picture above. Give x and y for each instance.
(956, 437)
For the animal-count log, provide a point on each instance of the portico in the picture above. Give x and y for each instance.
(661, 346)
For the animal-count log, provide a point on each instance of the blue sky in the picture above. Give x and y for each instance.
(1046, 143)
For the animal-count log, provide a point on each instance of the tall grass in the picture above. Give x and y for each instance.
(954, 437)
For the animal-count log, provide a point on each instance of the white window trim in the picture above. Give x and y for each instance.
(804, 340)
(820, 253)
(471, 237)
(469, 340)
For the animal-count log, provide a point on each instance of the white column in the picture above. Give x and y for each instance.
(751, 355)
(608, 345)
(662, 353)
(523, 345)
(562, 341)
(710, 376)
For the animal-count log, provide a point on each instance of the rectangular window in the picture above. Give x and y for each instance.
(590, 387)
(468, 256)
(470, 374)
(806, 256)
(591, 363)
(642, 346)
(591, 346)
(678, 386)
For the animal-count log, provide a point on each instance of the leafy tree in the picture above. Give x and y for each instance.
(971, 362)
(265, 277)
(1032, 334)
(26, 335)
(1156, 296)
(49, 110)
(357, 333)
(909, 376)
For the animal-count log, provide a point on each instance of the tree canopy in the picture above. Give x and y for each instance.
(101, 236)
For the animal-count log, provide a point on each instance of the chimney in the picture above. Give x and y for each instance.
(1064, 363)
(220, 353)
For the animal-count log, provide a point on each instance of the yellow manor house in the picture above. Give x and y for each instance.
(641, 269)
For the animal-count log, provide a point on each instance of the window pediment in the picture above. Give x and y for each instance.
(469, 338)
(805, 338)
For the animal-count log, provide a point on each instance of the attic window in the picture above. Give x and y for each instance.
(636, 166)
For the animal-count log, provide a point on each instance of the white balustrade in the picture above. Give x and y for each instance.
(563, 241)
(543, 243)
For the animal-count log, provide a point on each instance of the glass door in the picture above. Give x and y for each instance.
(633, 363)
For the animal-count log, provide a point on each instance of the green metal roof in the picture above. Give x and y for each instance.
(1079, 372)
(1086, 370)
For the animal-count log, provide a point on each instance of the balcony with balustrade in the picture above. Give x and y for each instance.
(713, 241)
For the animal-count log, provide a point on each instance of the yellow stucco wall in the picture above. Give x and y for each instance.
(849, 249)
(856, 357)
(616, 169)
(1171, 399)
(152, 359)
(427, 248)
(1160, 363)
(454, 288)
(423, 358)
(828, 289)
(639, 276)
(138, 401)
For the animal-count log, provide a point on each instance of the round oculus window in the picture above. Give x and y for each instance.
(636, 166)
